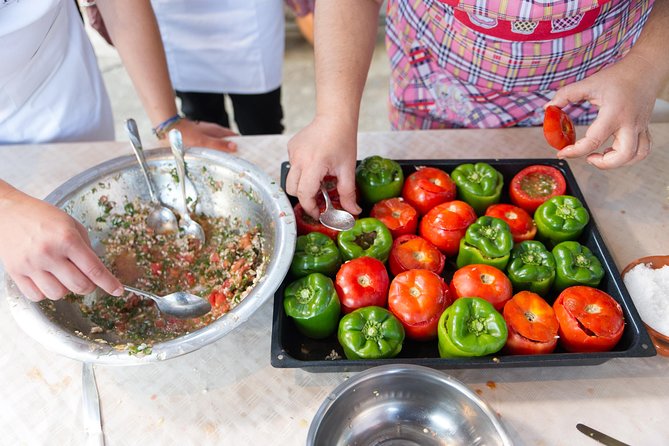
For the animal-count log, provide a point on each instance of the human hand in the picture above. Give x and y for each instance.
(625, 100)
(322, 148)
(46, 252)
(206, 134)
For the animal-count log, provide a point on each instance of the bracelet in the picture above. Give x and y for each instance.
(161, 129)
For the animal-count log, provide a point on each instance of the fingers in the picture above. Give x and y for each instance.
(346, 189)
(292, 180)
(71, 278)
(596, 135)
(28, 288)
(48, 285)
(307, 189)
(218, 144)
(628, 148)
(215, 130)
(84, 259)
(573, 93)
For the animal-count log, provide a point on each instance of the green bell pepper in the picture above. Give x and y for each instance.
(368, 237)
(560, 218)
(478, 184)
(370, 333)
(379, 178)
(531, 268)
(313, 304)
(576, 265)
(471, 327)
(488, 240)
(315, 253)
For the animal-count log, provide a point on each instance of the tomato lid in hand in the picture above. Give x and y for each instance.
(558, 128)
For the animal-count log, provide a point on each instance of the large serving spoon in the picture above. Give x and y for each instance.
(334, 218)
(161, 219)
(180, 304)
(190, 227)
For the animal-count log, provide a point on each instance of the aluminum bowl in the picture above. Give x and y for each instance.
(226, 186)
(405, 405)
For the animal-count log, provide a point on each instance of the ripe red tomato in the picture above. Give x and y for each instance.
(413, 252)
(535, 184)
(484, 281)
(532, 325)
(398, 215)
(558, 128)
(428, 187)
(362, 282)
(418, 297)
(590, 320)
(445, 224)
(305, 224)
(521, 223)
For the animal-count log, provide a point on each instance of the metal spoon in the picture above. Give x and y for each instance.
(186, 223)
(333, 218)
(161, 219)
(180, 304)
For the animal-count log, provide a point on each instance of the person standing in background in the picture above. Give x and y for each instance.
(51, 90)
(216, 48)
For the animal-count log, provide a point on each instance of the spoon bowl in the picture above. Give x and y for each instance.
(190, 227)
(180, 304)
(161, 219)
(334, 218)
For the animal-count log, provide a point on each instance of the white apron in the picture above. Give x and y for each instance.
(223, 46)
(51, 88)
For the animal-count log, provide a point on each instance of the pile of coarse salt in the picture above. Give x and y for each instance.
(649, 289)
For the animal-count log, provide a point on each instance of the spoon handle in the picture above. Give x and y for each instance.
(176, 143)
(140, 292)
(133, 134)
(328, 203)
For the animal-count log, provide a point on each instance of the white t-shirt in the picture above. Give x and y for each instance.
(223, 46)
(51, 88)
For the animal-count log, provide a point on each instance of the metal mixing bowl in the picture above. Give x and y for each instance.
(405, 405)
(226, 186)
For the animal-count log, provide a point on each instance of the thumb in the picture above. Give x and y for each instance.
(218, 144)
(215, 130)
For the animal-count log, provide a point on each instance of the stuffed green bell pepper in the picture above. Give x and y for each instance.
(531, 268)
(560, 218)
(370, 333)
(480, 185)
(488, 240)
(576, 265)
(471, 327)
(379, 178)
(313, 304)
(368, 237)
(315, 253)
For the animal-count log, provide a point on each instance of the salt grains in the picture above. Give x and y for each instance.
(649, 289)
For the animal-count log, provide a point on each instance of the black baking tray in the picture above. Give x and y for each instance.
(290, 349)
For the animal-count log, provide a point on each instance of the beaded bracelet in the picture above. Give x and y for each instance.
(161, 129)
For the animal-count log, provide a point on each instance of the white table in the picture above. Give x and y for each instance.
(228, 393)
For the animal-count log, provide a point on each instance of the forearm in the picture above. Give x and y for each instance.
(345, 35)
(651, 48)
(134, 31)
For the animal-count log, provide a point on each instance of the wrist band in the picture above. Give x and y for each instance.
(161, 129)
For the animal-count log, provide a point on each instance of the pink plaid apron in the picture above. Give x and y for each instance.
(486, 64)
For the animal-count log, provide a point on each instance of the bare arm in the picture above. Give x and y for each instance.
(625, 93)
(345, 34)
(134, 31)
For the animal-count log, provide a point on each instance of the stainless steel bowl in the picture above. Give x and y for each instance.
(226, 185)
(405, 405)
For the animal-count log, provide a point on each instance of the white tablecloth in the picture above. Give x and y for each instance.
(228, 393)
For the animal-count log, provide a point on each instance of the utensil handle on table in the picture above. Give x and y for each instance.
(133, 134)
(91, 407)
(599, 436)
